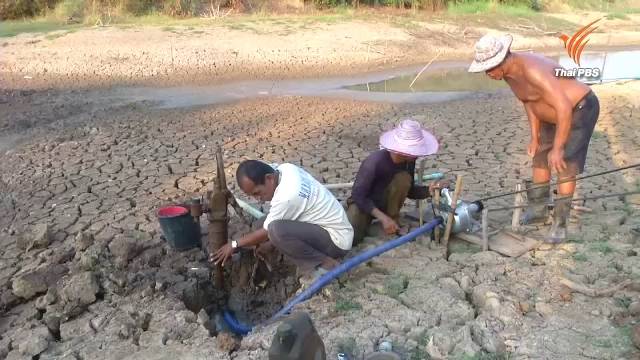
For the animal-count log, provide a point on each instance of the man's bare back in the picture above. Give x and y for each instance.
(529, 66)
(562, 114)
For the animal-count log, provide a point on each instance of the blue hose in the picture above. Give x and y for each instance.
(235, 325)
(353, 262)
(328, 277)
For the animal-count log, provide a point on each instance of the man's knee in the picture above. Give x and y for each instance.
(399, 187)
(276, 231)
(402, 180)
(359, 220)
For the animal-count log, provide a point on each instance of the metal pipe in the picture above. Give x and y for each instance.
(434, 176)
(218, 216)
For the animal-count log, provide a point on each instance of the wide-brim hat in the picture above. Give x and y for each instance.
(490, 52)
(409, 138)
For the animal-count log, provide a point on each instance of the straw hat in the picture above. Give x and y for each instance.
(409, 138)
(490, 51)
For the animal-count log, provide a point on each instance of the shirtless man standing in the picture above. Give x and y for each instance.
(562, 114)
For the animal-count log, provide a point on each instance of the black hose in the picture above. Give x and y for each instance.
(574, 200)
(559, 182)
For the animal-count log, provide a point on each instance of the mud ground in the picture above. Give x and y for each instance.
(118, 291)
(86, 274)
(290, 48)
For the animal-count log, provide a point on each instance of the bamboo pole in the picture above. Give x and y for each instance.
(517, 212)
(485, 229)
(436, 199)
(420, 202)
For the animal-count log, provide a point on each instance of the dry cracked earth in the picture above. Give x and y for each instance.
(86, 274)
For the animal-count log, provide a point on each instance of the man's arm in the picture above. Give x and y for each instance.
(362, 187)
(254, 238)
(553, 95)
(360, 195)
(534, 124)
(251, 239)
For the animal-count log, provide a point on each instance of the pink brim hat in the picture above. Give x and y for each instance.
(409, 139)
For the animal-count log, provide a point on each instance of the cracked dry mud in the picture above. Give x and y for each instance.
(98, 281)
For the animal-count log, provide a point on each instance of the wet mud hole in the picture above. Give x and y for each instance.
(253, 289)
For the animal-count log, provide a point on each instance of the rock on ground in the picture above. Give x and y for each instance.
(81, 288)
(37, 237)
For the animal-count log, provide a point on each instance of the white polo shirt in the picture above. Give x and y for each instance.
(300, 197)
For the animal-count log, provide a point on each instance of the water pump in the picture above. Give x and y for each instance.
(467, 216)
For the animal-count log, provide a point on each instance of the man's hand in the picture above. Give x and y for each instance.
(262, 251)
(556, 160)
(222, 255)
(390, 227)
(532, 149)
(438, 184)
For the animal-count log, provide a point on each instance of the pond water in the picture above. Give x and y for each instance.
(617, 65)
(442, 81)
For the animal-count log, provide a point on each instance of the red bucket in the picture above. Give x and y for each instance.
(172, 211)
(180, 229)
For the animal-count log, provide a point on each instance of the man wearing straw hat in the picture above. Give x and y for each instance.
(386, 178)
(562, 114)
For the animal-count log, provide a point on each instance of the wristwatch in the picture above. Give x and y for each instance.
(234, 244)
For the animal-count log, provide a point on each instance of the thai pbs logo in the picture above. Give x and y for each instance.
(575, 45)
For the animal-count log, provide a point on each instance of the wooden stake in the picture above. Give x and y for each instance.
(450, 219)
(515, 220)
(485, 229)
(424, 68)
(436, 199)
(594, 292)
(419, 202)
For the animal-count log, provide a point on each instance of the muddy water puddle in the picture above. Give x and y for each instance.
(443, 81)
(337, 87)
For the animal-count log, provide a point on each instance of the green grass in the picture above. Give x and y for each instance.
(484, 356)
(348, 346)
(580, 257)
(602, 247)
(167, 23)
(474, 7)
(576, 239)
(463, 247)
(503, 17)
(602, 343)
(598, 135)
(420, 353)
(15, 27)
(345, 305)
(623, 7)
(623, 301)
(483, 7)
(624, 336)
(617, 15)
(58, 34)
(395, 285)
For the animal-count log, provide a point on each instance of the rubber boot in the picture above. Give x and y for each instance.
(536, 211)
(558, 232)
